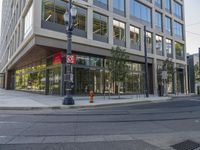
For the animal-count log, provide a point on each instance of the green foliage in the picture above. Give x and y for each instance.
(118, 64)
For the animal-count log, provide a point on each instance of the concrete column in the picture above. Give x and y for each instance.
(90, 24)
(155, 81)
(175, 79)
(37, 14)
(186, 80)
(110, 30)
(8, 80)
(127, 35)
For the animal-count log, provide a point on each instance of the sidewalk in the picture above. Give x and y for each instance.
(24, 101)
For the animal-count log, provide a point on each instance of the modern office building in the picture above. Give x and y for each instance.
(193, 73)
(34, 36)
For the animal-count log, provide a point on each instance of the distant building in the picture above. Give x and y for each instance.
(193, 73)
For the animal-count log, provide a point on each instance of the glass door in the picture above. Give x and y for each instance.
(54, 81)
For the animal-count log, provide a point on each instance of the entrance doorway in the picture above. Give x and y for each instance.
(87, 79)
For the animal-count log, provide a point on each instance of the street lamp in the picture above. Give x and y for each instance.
(69, 18)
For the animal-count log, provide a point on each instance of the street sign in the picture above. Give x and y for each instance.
(164, 75)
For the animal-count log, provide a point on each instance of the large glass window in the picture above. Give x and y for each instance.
(159, 45)
(118, 30)
(135, 37)
(81, 19)
(168, 24)
(178, 10)
(60, 9)
(140, 11)
(169, 47)
(178, 29)
(48, 10)
(179, 48)
(149, 40)
(100, 25)
(53, 11)
(168, 5)
(158, 20)
(28, 20)
(158, 3)
(119, 6)
(101, 3)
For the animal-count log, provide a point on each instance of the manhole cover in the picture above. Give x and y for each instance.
(186, 145)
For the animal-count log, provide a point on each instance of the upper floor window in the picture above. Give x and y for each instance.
(178, 29)
(28, 20)
(149, 42)
(119, 33)
(119, 6)
(135, 37)
(179, 48)
(101, 3)
(168, 5)
(53, 11)
(178, 10)
(159, 45)
(100, 26)
(168, 24)
(140, 11)
(158, 3)
(168, 47)
(158, 20)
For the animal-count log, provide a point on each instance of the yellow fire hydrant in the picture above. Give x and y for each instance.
(91, 95)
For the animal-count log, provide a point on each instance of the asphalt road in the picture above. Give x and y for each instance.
(145, 126)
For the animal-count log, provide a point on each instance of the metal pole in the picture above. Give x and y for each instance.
(68, 100)
(146, 65)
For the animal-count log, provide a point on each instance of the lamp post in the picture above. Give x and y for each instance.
(69, 18)
(146, 65)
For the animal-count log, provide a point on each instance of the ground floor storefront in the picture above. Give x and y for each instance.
(45, 74)
(89, 73)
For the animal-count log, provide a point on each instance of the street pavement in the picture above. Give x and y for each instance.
(146, 126)
(18, 100)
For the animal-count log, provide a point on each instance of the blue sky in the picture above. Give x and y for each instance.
(192, 15)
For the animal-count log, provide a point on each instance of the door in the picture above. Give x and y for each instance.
(54, 81)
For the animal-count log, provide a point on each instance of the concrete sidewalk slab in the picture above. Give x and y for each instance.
(18, 100)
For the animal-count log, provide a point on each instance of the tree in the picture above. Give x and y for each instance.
(118, 66)
(168, 67)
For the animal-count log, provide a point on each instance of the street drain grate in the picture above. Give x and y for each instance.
(186, 145)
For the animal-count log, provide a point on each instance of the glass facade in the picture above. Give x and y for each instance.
(159, 45)
(158, 3)
(28, 20)
(169, 47)
(178, 12)
(158, 20)
(119, 6)
(140, 11)
(178, 29)
(168, 5)
(119, 30)
(179, 48)
(101, 3)
(168, 24)
(53, 11)
(135, 38)
(149, 40)
(100, 27)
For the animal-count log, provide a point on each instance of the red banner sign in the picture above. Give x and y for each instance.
(57, 58)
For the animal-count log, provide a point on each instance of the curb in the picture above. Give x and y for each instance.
(93, 105)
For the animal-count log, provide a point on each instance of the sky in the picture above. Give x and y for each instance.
(192, 16)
